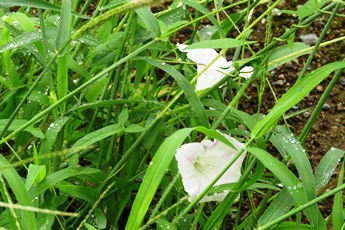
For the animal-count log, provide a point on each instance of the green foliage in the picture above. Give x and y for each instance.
(95, 99)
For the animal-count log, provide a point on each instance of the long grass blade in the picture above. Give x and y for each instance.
(18, 188)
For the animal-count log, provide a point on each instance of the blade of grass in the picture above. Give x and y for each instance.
(62, 38)
(186, 87)
(280, 206)
(326, 167)
(56, 177)
(37, 4)
(301, 161)
(205, 11)
(153, 176)
(12, 216)
(150, 20)
(338, 203)
(98, 135)
(293, 96)
(302, 207)
(18, 188)
(287, 178)
(303, 136)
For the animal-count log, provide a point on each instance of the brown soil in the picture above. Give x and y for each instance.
(329, 128)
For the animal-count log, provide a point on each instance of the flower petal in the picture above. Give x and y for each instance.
(246, 72)
(214, 73)
(201, 163)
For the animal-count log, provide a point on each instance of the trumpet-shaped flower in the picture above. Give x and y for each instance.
(200, 163)
(215, 72)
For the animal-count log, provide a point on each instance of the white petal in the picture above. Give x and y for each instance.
(216, 72)
(200, 163)
(246, 72)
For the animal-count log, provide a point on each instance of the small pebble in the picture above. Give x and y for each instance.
(341, 106)
(342, 82)
(326, 107)
(279, 82)
(295, 107)
(309, 39)
(276, 12)
(306, 114)
(319, 88)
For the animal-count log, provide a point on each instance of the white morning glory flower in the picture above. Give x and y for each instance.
(216, 72)
(200, 163)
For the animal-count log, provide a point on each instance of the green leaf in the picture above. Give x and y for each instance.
(36, 4)
(287, 178)
(193, 99)
(123, 116)
(150, 20)
(133, 128)
(338, 217)
(98, 135)
(100, 218)
(34, 175)
(81, 192)
(204, 10)
(327, 166)
(64, 26)
(222, 43)
(153, 177)
(293, 225)
(51, 134)
(163, 224)
(17, 186)
(300, 160)
(27, 38)
(62, 45)
(56, 177)
(286, 53)
(309, 8)
(293, 96)
(18, 123)
(280, 206)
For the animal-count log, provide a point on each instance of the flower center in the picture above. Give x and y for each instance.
(200, 164)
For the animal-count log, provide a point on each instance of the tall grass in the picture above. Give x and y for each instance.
(95, 99)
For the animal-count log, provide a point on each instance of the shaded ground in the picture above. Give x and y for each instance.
(329, 129)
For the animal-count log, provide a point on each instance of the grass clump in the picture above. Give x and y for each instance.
(96, 98)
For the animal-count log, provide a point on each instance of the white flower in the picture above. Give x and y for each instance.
(200, 163)
(216, 72)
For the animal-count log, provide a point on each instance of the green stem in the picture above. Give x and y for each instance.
(292, 30)
(317, 45)
(318, 107)
(165, 194)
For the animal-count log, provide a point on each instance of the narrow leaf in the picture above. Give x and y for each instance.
(293, 96)
(186, 87)
(18, 123)
(326, 167)
(98, 135)
(17, 186)
(222, 43)
(153, 177)
(150, 20)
